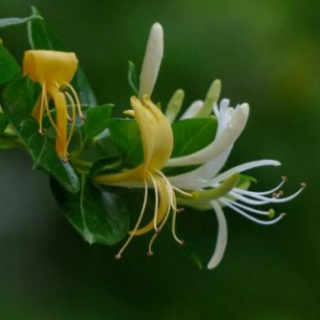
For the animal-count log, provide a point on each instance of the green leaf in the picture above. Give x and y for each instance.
(9, 67)
(6, 144)
(125, 135)
(97, 120)
(106, 165)
(192, 135)
(18, 101)
(10, 22)
(41, 37)
(3, 122)
(132, 78)
(98, 215)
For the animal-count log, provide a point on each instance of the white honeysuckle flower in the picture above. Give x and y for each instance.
(226, 193)
(223, 189)
(236, 121)
(152, 61)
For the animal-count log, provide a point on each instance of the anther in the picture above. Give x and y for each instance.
(303, 185)
(280, 194)
(271, 213)
(182, 243)
(118, 256)
(195, 195)
(84, 119)
(40, 133)
(70, 120)
(284, 178)
(180, 210)
(65, 160)
(150, 254)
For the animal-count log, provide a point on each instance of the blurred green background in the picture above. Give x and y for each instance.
(266, 53)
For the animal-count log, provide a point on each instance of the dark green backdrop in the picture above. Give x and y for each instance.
(266, 53)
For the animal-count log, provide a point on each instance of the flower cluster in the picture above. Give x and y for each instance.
(196, 179)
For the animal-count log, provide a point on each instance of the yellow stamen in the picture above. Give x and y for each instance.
(76, 98)
(143, 209)
(73, 124)
(156, 193)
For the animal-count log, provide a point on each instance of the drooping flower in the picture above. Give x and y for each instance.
(224, 190)
(54, 71)
(157, 141)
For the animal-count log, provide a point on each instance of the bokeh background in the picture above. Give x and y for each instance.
(266, 53)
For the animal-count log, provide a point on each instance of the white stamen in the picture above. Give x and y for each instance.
(269, 200)
(237, 204)
(272, 190)
(262, 222)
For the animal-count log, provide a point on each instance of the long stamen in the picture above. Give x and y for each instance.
(284, 180)
(76, 98)
(173, 203)
(262, 222)
(46, 103)
(43, 93)
(187, 194)
(174, 220)
(69, 97)
(247, 200)
(271, 200)
(269, 213)
(156, 206)
(143, 209)
(150, 252)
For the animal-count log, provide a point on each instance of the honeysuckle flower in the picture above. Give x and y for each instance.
(216, 191)
(157, 140)
(152, 61)
(54, 71)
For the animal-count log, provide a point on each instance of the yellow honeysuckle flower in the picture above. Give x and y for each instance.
(157, 140)
(54, 71)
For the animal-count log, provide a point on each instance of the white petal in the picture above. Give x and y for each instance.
(224, 141)
(243, 167)
(192, 110)
(152, 61)
(222, 237)
(196, 179)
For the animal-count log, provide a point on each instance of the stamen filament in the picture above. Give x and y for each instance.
(43, 94)
(156, 206)
(265, 213)
(46, 103)
(270, 200)
(150, 252)
(143, 209)
(262, 222)
(69, 97)
(76, 98)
